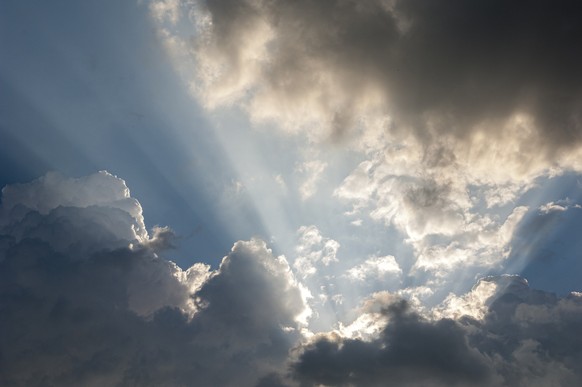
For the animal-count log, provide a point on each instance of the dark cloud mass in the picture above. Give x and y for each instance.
(527, 338)
(410, 351)
(449, 67)
(86, 300)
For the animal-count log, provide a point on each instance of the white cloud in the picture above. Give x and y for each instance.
(375, 268)
(53, 190)
(559, 206)
(281, 183)
(313, 249)
(474, 304)
(447, 227)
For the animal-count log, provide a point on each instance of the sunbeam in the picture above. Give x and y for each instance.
(290, 193)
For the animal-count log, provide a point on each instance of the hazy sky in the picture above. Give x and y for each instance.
(290, 193)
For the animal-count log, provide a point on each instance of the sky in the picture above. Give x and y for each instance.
(274, 193)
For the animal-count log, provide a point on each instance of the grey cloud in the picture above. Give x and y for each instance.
(480, 61)
(410, 352)
(528, 337)
(84, 301)
(439, 68)
(542, 325)
(163, 238)
(251, 298)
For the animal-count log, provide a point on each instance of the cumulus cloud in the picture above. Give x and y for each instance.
(87, 300)
(522, 339)
(434, 209)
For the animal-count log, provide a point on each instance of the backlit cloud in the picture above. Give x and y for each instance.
(520, 340)
(452, 73)
(86, 298)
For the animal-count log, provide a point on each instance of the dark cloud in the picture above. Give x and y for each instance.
(451, 67)
(528, 337)
(485, 60)
(85, 300)
(410, 351)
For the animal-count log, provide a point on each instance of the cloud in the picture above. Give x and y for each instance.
(54, 190)
(523, 339)
(375, 268)
(87, 300)
(490, 80)
(447, 224)
(313, 251)
(410, 351)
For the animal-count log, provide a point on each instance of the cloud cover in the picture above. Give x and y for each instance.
(526, 338)
(507, 72)
(86, 299)
(462, 83)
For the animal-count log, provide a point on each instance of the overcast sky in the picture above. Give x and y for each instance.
(290, 193)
